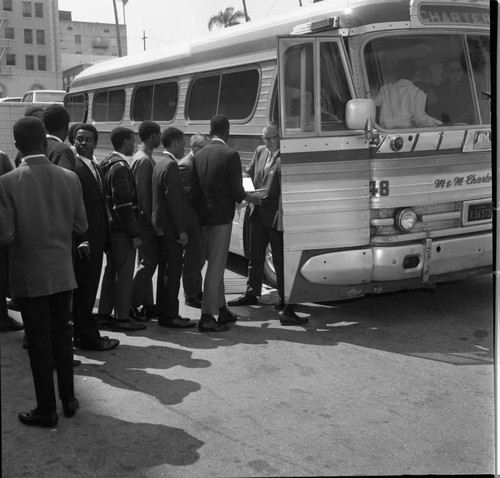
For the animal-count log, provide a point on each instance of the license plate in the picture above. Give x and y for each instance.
(479, 212)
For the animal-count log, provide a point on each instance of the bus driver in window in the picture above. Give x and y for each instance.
(401, 103)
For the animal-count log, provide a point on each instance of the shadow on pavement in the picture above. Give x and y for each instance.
(438, 324)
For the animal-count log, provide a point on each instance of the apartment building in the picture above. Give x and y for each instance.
(84, 43)
(30, 57)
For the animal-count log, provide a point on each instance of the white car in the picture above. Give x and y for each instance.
(11, 99)
(44, 96)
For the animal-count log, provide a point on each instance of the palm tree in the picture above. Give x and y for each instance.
(117, 29)
(226, 18)
(124, 2)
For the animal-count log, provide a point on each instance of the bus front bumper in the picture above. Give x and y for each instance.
(423, 259)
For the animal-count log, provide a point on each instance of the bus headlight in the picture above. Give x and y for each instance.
(405, 219)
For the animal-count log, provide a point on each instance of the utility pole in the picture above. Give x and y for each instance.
(118, 39)
(144, 38)
(245, 10)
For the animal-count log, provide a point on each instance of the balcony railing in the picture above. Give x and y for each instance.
(100, 44)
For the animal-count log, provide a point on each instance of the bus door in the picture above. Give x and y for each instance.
(324, 172)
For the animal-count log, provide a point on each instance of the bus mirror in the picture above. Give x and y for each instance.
(358, 111)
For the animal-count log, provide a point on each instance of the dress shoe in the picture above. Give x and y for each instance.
(70, 407)
(37, 419)
(226, 316)
(13, 305)
(193, 302)
(127, 324)
(207, 323)
(102, 345)
(137, 315)
(279, 305)
(149, 311)
(10, 324)
(75, 362)
(288, 317)
(245, 299)
(104, 321)
(176, 322)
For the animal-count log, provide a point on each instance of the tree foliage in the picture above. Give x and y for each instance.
(226, 18)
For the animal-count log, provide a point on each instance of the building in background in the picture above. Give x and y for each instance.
(83, 44)
(30, 58)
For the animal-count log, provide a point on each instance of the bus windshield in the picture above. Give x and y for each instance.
(429, 80)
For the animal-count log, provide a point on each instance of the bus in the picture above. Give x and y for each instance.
(385, 124)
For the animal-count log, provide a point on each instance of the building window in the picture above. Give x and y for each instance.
(28, 36)
(106, 30)
(70, 29)
(27, 9)
(78, 38)
(30, 62)
(10, 59)
(9, 33)
(7, 5)
(40, 37)
(38, 10)
(42, 62)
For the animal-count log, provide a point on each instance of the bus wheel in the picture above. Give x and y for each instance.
(269, 271)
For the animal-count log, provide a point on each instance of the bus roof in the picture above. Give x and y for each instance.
(233, 44)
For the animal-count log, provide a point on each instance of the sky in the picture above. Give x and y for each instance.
(167, 21)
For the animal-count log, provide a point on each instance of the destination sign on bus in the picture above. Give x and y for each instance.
(453, 15)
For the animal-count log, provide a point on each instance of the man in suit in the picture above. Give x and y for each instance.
(90, 245)
(56, 122)
(148, 254)
(41, 206)
(265, 172)
(194, 253)
(217, 187)
(7, 322)
(169, 222)
(118, 280)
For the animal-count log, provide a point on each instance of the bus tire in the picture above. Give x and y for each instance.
(269, 271)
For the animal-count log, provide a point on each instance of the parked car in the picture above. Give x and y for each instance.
(44, 96)
(11, 99)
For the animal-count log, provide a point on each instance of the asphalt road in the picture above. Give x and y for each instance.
(384, 385)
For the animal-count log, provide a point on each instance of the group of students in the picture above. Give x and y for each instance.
(61, 212)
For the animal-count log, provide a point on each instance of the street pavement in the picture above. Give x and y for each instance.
(383, 385)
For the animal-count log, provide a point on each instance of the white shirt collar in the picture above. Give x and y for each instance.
(122, 156)
(32, 156)
(55, 137)
(170, 154)
(219, 139)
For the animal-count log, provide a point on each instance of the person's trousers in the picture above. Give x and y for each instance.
(260, 237)
(217, 239)
(193, 262)
(4, 281)
(169, 276)
(46, 322)
(148, 257)
(88, 274)
(118, 279)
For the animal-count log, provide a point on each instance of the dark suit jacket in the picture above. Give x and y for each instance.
(41, 206)
(94, 198)
(217, 183)
(270, 180)
(169, 201)
(60, 154)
